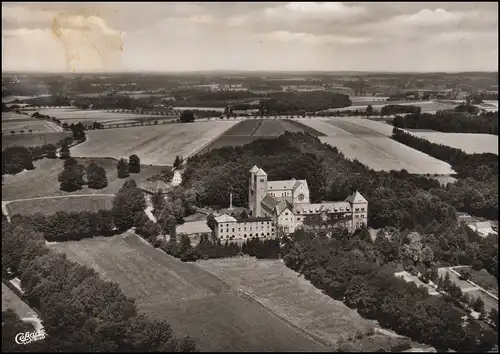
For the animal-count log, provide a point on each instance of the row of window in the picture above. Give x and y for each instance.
(317, 210)
(232, 237)
(362, 209)
(245, 229)
(359, 216)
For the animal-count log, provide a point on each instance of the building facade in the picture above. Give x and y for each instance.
(285, 206)
(288, 204)
(229, 228)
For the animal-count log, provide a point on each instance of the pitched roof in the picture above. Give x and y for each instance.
(356, 197)
(156, 185)
(290, 184)
(261, 172)
(254, 169)
(270, 201)
(225, 218)
(282, 206)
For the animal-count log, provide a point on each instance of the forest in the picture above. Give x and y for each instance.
(450, 122)
(476, 191)
(80, 311)
(359, 272)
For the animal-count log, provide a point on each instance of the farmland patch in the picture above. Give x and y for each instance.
(291, 296)
(192, 300)
(42, 181)
(374, 149)
(471, 143)
(165, 142)
(49, 206)
(35, 139)
(35, 125)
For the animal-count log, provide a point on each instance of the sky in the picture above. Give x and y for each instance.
(258, 36)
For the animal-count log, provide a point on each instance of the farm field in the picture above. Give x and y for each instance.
(42, 181)
(49, 206)
(375, 149)
(469, 142)
(36, 126)
(192, 300)
(12, 301)
(291, 296)
(426, 106)
(157, 145)
(481, 278)
(72, 114)
(249, 130)
(35, 139)
(8, 116)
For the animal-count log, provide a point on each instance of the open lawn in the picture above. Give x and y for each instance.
(481, 278)
(49, 206)
(192, 300)
(249, 130)
(35, 139)
(36, 126)
(469, 142)
(365, 141)
(158, 145)
(12, 301)
(489, 302)
(290, 295)
(42, 181)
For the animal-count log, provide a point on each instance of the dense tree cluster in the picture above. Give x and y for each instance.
(96, 176)
(187, 116)
(80, 311)
(128, 207)
(17, 158)
(451, 122)
(477, 190)
(285, 103)
(349, 269)
(127, 211)
(134, 164)
(399, 109)
(123, 168)
(71, 177)
(49, 101)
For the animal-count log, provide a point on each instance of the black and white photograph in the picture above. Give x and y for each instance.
(249, 177)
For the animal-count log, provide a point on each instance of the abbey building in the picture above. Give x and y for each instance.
(285, 205)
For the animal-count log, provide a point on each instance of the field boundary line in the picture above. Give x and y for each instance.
(211, 141)
(256, 128)
(251, 298)
(57, 197)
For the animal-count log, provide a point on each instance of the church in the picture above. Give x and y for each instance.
(285, 205)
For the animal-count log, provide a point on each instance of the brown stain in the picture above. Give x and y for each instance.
(86, 48)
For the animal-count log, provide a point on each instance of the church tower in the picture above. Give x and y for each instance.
(260, 182)
(251, 190)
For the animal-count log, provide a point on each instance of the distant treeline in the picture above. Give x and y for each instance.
(451, 122)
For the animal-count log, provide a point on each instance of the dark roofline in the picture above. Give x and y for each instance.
(252, 219)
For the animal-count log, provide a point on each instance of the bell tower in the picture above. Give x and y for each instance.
(251, 190)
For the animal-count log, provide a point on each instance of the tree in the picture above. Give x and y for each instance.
(71, 178)
(478, 305)
(65, 153)
(96, 176)
(369, 110)
(122, 168)
(493, 318)
(134, 164)
(50, 151)
(187, 116)
(178, 162)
